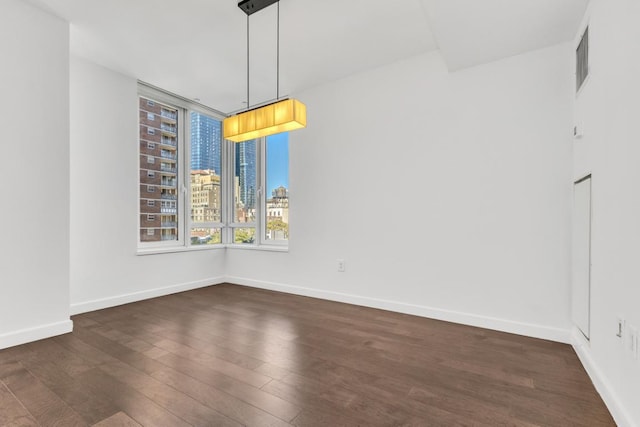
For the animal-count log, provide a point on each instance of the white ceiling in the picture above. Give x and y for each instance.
(197, 48)
(472, 32)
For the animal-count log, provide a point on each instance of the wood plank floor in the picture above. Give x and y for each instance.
(229, 355)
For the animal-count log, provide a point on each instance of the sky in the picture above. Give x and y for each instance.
(277, 162)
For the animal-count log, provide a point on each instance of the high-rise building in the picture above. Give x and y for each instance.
(205, 196)
(246, 173)
(158, 172)
(205, 143)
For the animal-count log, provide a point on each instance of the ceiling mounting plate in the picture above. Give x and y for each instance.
(252, 6)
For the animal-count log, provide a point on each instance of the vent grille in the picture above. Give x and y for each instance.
(582, 60)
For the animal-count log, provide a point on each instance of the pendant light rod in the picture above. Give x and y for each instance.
(248, 80)
(278, 54)
(264, 119)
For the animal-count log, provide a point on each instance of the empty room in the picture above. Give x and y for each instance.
(320, 213)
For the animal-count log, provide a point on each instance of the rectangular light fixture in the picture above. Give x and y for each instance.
(281, 116)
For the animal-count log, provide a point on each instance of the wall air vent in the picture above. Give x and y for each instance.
(582, 60)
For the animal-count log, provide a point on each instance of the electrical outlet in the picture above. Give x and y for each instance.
(341, 266)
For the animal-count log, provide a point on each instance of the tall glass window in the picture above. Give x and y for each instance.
(205, 179)
(277, 188)
(158, 140)
(200, 191)
(245, 191)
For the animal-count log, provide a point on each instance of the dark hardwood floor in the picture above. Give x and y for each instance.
(230, 355)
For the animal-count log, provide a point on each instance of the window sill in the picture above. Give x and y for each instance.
(176, 249)
(170, 250)
(268, 248)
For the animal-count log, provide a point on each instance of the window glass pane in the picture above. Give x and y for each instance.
(245, 182)
(206, 164)
(158, 171)
(277, 187)
(205, 236)
(244, 235)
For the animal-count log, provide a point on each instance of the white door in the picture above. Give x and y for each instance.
(581, 259)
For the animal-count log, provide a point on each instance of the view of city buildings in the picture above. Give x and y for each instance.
(158, 172)
(278, 215)
(206, 144)
(159, 216)
(245, 173)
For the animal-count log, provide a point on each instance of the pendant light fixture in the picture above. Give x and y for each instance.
(280, 116)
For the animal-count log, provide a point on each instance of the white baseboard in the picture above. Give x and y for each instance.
(581, 347)
(99, 304)
(24, 336)
(526, 329)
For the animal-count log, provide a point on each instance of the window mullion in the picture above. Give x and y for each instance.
(228, 190)
(262, 197)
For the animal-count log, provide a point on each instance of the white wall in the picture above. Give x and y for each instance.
(608, 110)
(34, 117)
(448, 195)
(105, 269)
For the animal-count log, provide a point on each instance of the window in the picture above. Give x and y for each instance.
(582, 60)
(149, 109)
(205, 179)
(203, 191)
(244, 192)
(261, 191)
(187, 172)
(276, 229)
